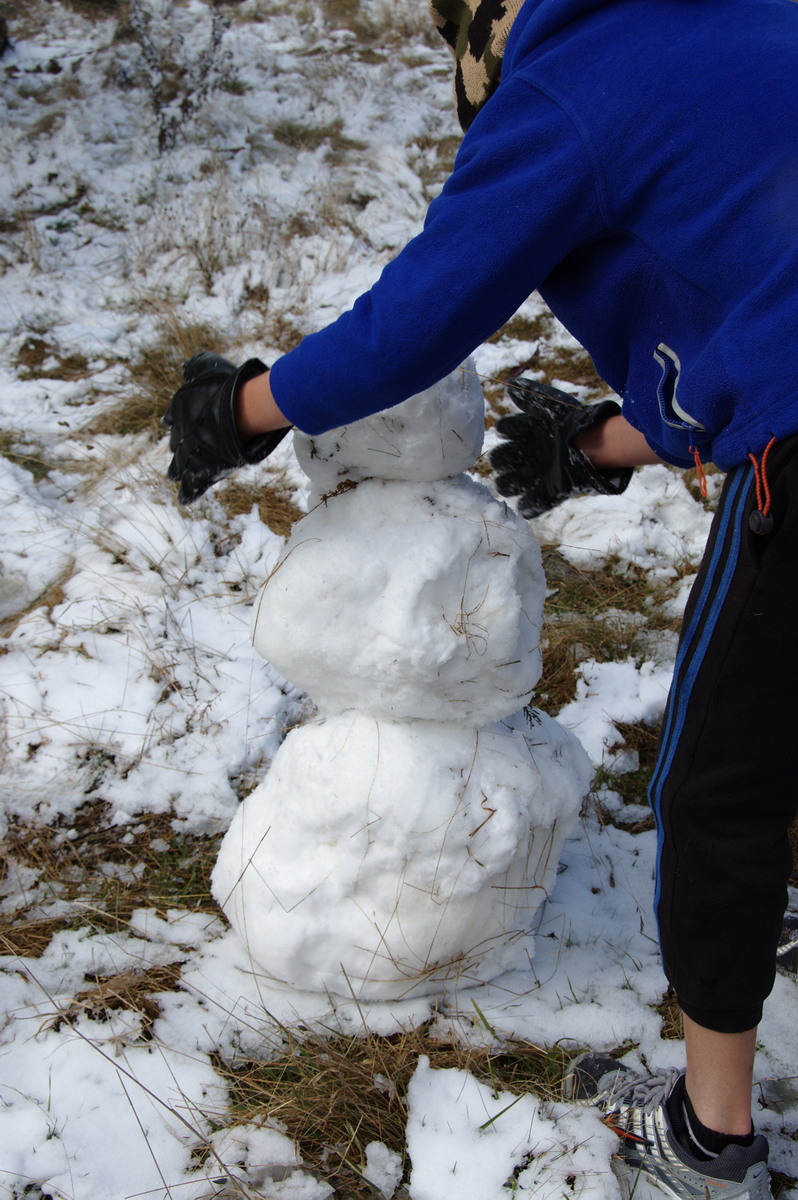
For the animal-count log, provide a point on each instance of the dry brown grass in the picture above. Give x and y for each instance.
(336, 1094)
(131, 991)
(100, 878)
(672, 1021)
(29, 938)
(41, 358)
(632, 786)
(547, 361)
(780, 1183)
(309, 137)
(275, 506)
(341, 14)
(155, 374)
(379, 23)
(282, 332)
(333, 1094)
(573, 366)
(97, 9)
(23, 455)
(692, 483)
(433, 159)
(50, 598)
(593, 614)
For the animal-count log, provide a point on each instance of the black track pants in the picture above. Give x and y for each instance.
(725, 785)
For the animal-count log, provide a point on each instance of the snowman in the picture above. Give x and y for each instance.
(403, 841)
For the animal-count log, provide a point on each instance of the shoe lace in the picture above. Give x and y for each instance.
(645, 1092)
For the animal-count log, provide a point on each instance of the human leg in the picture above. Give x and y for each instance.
(723, 789)
(719, 1075)
(723, 795)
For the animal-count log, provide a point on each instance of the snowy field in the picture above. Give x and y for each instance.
(247, 169)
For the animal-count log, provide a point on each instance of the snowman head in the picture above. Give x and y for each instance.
(436, 434)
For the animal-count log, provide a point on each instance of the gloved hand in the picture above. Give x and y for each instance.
(203, 437)
(538, 461)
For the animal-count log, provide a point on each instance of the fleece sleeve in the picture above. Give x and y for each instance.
(522, 194)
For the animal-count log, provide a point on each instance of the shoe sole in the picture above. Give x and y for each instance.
(636, 1184)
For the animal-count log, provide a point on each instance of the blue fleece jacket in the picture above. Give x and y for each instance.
(638, 164)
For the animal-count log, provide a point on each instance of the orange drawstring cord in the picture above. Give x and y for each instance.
(760, 521)
(700, 473)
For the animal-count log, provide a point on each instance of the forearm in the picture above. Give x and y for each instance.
(610, 443)
(615, 443)
(256, 410)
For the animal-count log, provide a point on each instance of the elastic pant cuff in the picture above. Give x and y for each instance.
(738, 1020)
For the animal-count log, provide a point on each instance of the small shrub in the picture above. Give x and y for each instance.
(178, 82)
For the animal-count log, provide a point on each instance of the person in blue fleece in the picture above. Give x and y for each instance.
(637, 162)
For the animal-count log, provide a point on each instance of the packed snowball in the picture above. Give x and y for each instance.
(391, 857)
(408, 601)
(434, 435)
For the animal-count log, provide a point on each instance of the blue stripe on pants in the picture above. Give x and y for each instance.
(696, 635)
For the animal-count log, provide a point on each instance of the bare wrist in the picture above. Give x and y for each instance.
(255, 408)
(614, 443)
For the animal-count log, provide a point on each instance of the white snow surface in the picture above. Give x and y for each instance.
(127, 678)
(463, 1137)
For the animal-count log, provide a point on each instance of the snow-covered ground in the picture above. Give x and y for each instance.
(251, 167)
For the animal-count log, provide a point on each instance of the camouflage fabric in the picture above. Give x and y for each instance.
(476, 32)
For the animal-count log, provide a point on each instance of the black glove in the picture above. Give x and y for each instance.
(204, 440)
(538, 462)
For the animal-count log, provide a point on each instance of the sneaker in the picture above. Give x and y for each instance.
(651, 1161)
(787, 953)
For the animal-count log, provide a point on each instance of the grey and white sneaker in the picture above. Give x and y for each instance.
(651, 1161)
(787, 952)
